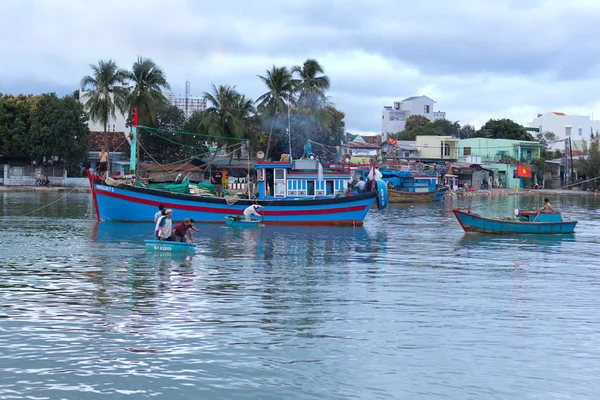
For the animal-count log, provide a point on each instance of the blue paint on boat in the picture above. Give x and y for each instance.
(170, 247)
(526, 222)
(382, 196)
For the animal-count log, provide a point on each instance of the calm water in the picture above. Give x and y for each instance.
(407, 307)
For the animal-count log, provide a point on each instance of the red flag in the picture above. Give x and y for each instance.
(134, 121)
(523, 171)
(391, 141)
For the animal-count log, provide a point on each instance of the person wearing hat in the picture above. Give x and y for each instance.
(162, 231)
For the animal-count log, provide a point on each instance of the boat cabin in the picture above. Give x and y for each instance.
(299, 178)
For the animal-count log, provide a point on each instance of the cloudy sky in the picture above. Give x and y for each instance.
(478, 59)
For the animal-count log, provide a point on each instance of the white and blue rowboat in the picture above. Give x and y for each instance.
(240, 222)
(172, 247)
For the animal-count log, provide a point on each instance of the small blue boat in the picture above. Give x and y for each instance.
(166, 246)
(525, 222)
(240, 222)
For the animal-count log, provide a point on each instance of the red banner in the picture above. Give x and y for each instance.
(523, 171)
(134, 121)
(391, 141)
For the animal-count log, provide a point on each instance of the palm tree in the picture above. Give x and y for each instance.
(222, 117)
(105, 92)
(277, 99)
(149, 82)
(311, 86)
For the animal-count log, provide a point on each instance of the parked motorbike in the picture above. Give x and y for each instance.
(43, 181)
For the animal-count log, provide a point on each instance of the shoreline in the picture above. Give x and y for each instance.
(523, 192)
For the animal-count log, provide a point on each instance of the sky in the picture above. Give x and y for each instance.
(478, 59)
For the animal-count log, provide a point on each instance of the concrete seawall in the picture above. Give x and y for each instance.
(45, 189)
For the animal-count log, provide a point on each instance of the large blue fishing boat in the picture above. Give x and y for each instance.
(529, 222)
(303, 193)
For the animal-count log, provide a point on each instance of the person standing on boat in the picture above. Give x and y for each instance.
(217, 180)
(250, 211)
(547, 207)
(162, 231)
(181, 232)
(160, 212)
(103, 167)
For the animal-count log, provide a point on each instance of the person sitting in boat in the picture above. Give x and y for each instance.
(162, 231)
(181, 232)
(547, 207)
(248, 212)
(361, 184)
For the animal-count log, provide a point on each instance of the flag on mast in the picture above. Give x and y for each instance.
(134, 121)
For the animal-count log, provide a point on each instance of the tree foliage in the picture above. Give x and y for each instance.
(504, 129)
(415, 122)
(105, 92)
(148, 81)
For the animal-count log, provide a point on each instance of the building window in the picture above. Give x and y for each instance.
(580, 131)
(467, 151)
(447, 150)
(427, 109)
(568, 130)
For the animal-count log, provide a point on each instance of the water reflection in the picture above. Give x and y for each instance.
(290, 312)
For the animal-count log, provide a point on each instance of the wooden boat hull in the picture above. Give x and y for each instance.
(471, 222)
(169, 247)
(137, 204)
(241, 223)
(397, 197)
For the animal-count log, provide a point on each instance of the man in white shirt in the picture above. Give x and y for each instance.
(248, 212)
(361, 184)
(162, 231)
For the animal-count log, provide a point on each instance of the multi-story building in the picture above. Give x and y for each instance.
(576, 127)
(394, 117)
(498, 156)
(188, 105)
(437, 148)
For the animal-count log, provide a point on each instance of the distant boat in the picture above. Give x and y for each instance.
(166, 246)
(525, 222)
(411, 186)
(396, 196)
(240, 222)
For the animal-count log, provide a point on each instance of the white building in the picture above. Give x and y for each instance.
(188, 104)
(394, 117)
(576, 127)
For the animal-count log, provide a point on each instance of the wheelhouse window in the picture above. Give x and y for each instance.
(310, 188)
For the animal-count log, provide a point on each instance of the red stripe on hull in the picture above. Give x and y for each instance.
(233, 211)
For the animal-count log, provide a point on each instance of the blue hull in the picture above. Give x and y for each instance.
(440, 193)
(134, 204)
(474, 223)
